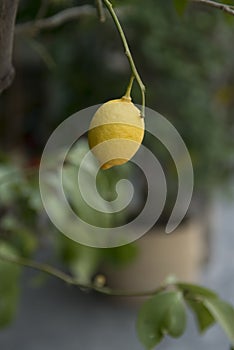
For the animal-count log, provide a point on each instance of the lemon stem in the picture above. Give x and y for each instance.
(127, 94)
(128, 53)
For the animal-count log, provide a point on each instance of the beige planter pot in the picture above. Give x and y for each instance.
(180, 253)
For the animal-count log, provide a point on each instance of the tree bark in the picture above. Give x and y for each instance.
(8, 9)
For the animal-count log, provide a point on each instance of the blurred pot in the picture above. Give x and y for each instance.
(180, 253)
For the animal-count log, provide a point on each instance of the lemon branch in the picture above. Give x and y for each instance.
(223, 7)
(128, 53)
(73, 281)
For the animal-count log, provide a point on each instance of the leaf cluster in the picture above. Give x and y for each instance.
(165, 313)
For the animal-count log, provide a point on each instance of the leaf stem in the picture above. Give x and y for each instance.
(52, 271)
(128, 53)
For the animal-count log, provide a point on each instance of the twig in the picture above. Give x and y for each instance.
(8, 9)
(56, 20)
(100, 10)
(73, 281)
(224, 7)
(128, 53)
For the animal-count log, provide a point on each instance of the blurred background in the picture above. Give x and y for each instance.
(186, 62)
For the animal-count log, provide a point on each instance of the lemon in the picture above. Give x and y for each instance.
(116, 132)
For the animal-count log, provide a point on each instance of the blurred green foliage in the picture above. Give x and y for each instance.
(25, 229)
(9, 285)
(20, 204)
(185, 62)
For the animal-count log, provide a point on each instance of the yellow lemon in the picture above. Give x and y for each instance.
(116, 132)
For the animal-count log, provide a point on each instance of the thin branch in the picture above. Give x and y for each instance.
(73, 281)
(8, 9)
(56, 20)
(223, 7)
(100, 10)
(127, 52)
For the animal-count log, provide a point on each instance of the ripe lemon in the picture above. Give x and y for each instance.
(116, 132)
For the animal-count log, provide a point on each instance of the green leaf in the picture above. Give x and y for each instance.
(180, 6)
(203, 316)
(196, 290)
(160, 315)
(209, 308)
(175, 318)
(9, 285)
(223, 314)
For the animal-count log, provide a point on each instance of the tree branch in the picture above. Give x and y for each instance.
(128, 53)
(73, 281)
(223, 7)
(67, 15)
(8, 9)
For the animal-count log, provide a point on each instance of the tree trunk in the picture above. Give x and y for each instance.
(8, 9)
